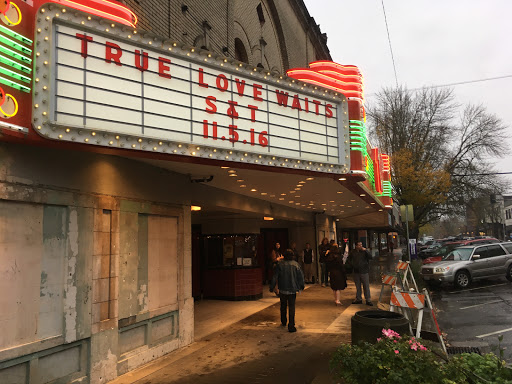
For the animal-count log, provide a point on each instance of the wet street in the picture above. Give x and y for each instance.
(476, 316)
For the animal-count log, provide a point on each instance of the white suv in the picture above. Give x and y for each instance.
(467, 263)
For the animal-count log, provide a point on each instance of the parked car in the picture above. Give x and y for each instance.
(440, 253)
(471, 262)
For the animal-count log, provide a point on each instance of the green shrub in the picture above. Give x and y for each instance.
(406, 360)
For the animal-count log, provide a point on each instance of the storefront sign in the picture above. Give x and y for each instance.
(121, 88)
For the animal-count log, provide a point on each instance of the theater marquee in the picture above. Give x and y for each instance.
(109, 85)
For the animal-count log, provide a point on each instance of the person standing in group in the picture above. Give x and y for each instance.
(288, 279)
(274, 257)
(359, 260)
(322, 250)
(296, 255)
(308, 258)
(337, 272)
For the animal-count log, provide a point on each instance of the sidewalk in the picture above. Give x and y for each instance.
(237, 342)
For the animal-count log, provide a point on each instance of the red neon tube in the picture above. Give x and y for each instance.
(111, 10)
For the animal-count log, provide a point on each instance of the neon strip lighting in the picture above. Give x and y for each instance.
(14, 84)
(310, 76)
(15, 54)
(385, 163)
(332, 64)
(14, 44)
(103, 8)
(12, 23)
(17, 36)
(376, 163)
(7, 115)
(386, 187)
(14, 75)
(14, 64)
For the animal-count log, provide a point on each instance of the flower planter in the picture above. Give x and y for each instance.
(367, 325)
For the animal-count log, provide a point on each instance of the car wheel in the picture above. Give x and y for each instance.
(509, 273)
(462, 279)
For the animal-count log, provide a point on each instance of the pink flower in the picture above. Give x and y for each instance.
(414, 347)
(423, 348)
(379, 339)
(397, 351)
(396, 341)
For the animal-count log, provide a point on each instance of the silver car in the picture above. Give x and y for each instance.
(467, 263)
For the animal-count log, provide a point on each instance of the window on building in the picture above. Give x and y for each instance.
(261, 16)
(230, 250)
(240, 51)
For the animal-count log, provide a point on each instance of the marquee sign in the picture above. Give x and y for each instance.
(110, 85)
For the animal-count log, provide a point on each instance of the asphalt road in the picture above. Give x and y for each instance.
(478, 315)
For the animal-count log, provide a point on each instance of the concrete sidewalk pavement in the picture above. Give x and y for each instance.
(256, 348)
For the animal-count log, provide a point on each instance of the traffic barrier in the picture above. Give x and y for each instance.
(409, 302)
(405, 268)
(387, 280)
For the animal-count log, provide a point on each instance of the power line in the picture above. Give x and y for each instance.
(389, 40)
(464, 82)
(485, 174)
(454, 84)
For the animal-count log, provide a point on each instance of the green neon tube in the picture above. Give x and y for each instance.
(13, 44)
(14, 75)
(15, 54)
(14, 84)
(16, 35)
(14, 64)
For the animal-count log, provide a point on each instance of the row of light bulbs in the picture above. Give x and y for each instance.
(130, 33)
(311, 205)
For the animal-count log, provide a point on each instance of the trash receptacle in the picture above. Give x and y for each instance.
(367, 325)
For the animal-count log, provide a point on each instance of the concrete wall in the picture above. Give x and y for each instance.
(95, 255)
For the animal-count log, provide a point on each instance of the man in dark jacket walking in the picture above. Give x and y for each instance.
(359, 260)
(289, 279)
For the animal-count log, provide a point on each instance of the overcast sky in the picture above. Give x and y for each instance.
(434, 42)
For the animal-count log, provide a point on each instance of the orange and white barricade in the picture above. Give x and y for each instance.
(387, 280)
(415, 301)
(405, 268)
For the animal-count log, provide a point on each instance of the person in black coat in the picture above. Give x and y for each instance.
(337, 272)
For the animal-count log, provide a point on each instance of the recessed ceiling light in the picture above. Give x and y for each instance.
(299, 185)
(372, 203)
(240, 181)
(342, 178)
(297, 189)
(352, 200)
(332, 201)
(349, 206)
(233, 175)
(281, 198)
(296, 196)
(339, 192)
(254, 190)
(224, 167)
(292, 191)
(263, 193)
(283, 194)
(243, 186)
(302, 182)
(380, 210)
(291, 202)
(310, 178)
(231, 171)
(362, 195)
(324, 204)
